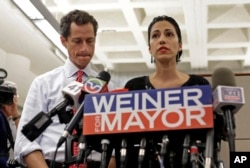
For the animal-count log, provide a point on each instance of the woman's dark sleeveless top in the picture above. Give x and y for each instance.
(176, 138)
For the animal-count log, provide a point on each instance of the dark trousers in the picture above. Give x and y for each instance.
(3, 161)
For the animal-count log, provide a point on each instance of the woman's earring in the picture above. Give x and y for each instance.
(152, 59)
(178, 57)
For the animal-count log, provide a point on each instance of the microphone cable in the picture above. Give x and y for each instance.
(52, 163)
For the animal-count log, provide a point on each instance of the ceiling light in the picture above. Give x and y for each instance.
(39, 15)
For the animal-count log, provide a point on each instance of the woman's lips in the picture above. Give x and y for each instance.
(163, 49)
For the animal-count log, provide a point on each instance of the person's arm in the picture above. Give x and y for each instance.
(32, 106)
(12, 110)
(35, 159)
(112, 162)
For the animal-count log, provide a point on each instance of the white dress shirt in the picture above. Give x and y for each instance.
(44, 94)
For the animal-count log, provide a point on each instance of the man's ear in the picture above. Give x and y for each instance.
(63, 41)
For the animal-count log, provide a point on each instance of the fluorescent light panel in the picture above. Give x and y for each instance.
(29, 9)
(41, 23)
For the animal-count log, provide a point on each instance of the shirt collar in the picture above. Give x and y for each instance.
(70, 69)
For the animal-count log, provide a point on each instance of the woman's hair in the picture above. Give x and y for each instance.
(176, 27)
(78, 17)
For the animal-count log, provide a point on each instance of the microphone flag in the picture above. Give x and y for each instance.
(228, 95)
(148, 110)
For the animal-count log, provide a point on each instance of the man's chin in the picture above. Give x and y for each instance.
(83, 64)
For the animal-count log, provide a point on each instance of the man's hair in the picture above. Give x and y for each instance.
(78, 17)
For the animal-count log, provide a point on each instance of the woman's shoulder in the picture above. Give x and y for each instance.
(137, 79)
(196, 80)
(137, 83)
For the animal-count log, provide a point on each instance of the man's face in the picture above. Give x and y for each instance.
(80, 44)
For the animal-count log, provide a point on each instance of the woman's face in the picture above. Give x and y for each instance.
(164, 43)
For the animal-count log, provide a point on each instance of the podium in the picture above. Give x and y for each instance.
(180, 120)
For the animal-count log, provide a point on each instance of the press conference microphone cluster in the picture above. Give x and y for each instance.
(73, 96)
(228, 99)
(91, 86)
(42, 120)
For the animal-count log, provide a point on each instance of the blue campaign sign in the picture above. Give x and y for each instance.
(148, 99)
(148, 110)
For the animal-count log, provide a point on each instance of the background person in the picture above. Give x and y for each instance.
(9, 119)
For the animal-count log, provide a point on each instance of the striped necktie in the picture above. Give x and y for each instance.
(79, 76)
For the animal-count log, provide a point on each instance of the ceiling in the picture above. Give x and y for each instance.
(215, 33)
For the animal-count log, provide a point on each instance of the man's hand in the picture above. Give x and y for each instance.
(11, 110)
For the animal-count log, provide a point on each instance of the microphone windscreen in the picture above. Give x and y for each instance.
(104, 75)
(223, 76)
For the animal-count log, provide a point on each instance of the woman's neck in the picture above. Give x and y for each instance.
(167, 77)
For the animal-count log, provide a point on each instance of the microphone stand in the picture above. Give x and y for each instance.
(86, 154)
(230, 126)
(209, 148)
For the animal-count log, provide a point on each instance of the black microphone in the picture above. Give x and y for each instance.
(186, 146)
(92, 85)
(36, 126)
(164, 145)
(104, 143)
(82, 145)
(42, 120)
(142, 151)
(228, 99)
(123, 154)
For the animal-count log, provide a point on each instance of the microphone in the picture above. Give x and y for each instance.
(82, 148)
(123, 153)
(163, 150)
(226, 95)
(92, 85)
(228, 99)
(186, 145)
(165, 141)
(42, 120)
(142, 151)
(104, 143)
(194, 156)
